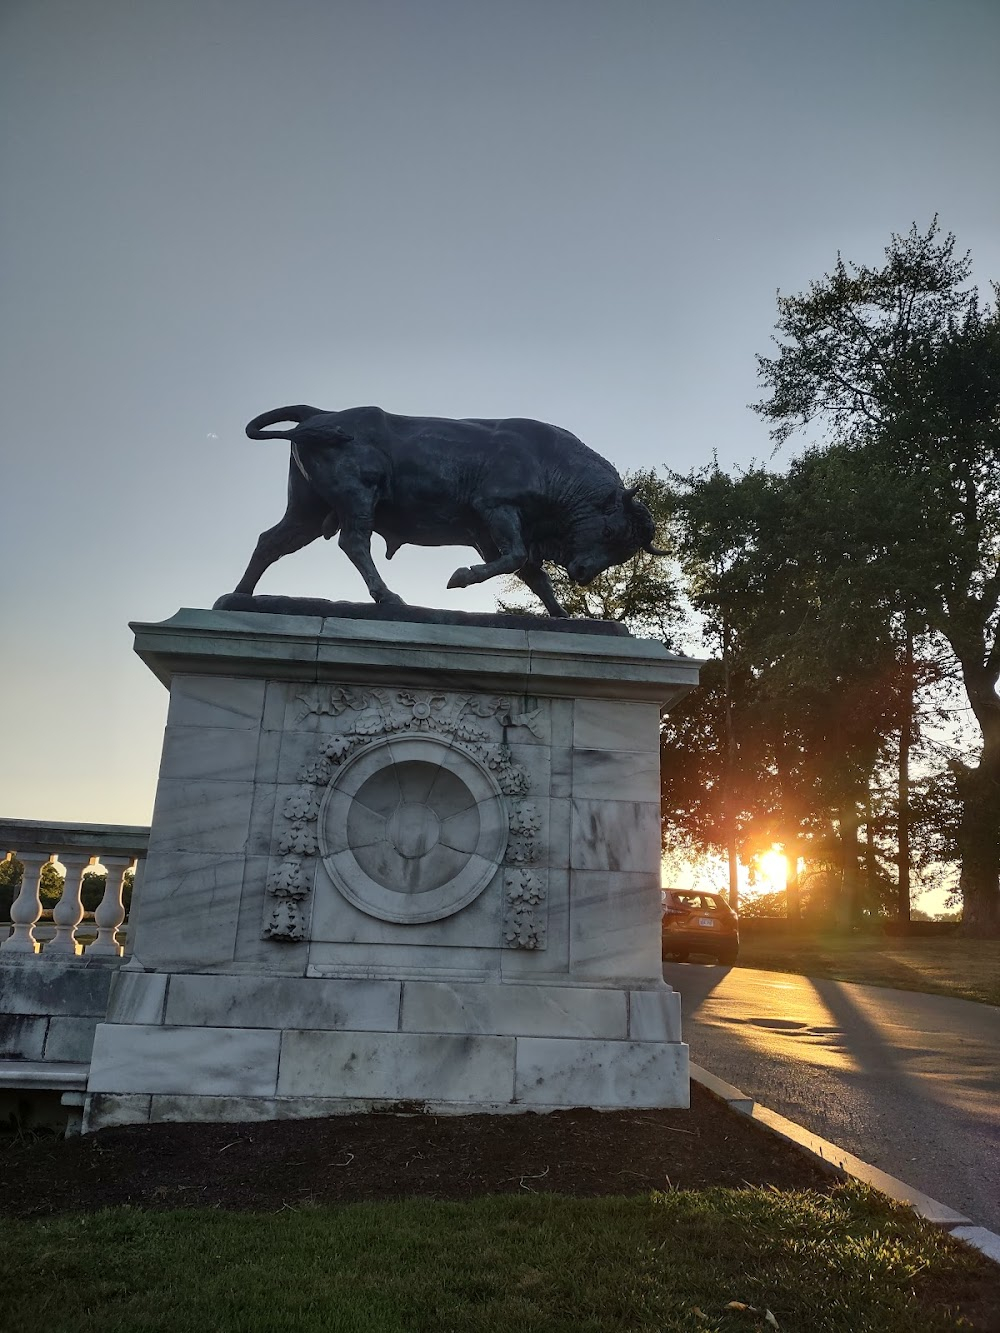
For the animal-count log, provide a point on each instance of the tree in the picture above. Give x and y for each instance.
(901, 365)
(816, 695)
(718, 520)
(50, 885)
(698, 812)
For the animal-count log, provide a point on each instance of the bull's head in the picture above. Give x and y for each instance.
(615, 538)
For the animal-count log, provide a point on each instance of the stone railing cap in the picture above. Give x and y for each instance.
(42, 835)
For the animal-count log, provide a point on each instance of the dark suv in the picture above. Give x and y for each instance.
(702, 923)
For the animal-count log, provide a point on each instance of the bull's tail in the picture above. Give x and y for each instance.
(298, 414)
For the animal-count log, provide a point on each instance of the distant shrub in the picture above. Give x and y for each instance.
(763, 905)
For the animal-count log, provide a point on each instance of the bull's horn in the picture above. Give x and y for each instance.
(654, 550)
(630, 492)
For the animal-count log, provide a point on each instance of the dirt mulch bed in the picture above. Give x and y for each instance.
(346, 1159)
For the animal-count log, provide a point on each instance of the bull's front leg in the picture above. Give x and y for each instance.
(356, 543)
(505, 530)
(535, 577)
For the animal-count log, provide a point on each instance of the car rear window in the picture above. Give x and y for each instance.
(695, 902)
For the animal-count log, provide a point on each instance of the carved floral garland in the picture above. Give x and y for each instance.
(382, 712)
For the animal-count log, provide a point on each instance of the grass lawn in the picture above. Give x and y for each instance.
(846, 1263)
(967, 969)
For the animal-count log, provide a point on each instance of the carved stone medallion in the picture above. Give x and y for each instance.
(412, 829)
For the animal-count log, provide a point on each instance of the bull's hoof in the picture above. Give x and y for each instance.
(461, 578)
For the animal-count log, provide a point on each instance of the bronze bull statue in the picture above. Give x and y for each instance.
(519, 492)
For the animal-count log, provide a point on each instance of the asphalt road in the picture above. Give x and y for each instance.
(908, 1082)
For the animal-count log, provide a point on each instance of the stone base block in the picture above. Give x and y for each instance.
(231, 1048)
(104, 1110)
(601, 1074)
(164, 1073)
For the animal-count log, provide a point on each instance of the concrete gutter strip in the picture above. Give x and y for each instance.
(987, 1242)
(739, 1101)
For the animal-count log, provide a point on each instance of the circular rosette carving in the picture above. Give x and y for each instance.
(412, 829)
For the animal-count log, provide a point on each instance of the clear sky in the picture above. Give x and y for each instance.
(568, 209)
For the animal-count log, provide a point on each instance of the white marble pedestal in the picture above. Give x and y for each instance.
(396, 864)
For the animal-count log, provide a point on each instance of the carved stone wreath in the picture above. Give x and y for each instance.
(423, 802)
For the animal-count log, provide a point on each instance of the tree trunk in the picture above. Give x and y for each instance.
(903, 788)
(728, 802)
(847, 908)
(734, 876)
(871, 896)
(793, 900)
(979, 828)
(979, 845)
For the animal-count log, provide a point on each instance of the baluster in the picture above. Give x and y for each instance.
(27, 906)
(68, 911)
(111, 912)
(129, 940)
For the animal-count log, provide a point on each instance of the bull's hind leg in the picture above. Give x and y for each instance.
(302, 523)
(284, 538)
(356, 543)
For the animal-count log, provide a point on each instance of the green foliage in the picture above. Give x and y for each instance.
(50, 885)
(844, 344)
(763, 906)
(10, 879)
(848, 1263)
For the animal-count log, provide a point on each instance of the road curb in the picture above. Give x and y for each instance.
(963, 1228)
(739, 1101)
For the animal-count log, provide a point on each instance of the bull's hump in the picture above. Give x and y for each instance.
(450, 429)
(477, 427)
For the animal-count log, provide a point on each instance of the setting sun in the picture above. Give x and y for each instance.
(774, 867)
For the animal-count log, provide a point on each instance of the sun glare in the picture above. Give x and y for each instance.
(774, 867)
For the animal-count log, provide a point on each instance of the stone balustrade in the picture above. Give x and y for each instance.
(81, 849)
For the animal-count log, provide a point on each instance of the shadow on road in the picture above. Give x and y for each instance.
(694, 982)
